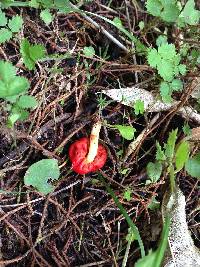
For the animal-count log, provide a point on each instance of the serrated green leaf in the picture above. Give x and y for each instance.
(170, 13)
(88, 51)
(127, 132)
(190, 14)
(3, 19)
(186, 129)
(5, 35)
(165, 92)
(46, 16)
(170, 146)
(182, 155)
(176, 85)
(31, 53)
(15, 23)
(7, 71)
(154, 7)
(192, 166)
(39, 173)
(154, 171)
(167, 51)
(166, 70)
(17, 85)
(160, 155)
(36, 52)
(182, 69)
(153, 57)
(27, 101)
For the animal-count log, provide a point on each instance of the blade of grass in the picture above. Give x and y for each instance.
(125, 214)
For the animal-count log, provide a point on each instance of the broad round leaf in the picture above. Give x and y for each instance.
(192, 166)
(39, 173)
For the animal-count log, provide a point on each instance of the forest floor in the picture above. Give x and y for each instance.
(79, 224)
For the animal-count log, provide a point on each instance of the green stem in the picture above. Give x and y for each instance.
(125, 214)
(172, 177)
(125, 259)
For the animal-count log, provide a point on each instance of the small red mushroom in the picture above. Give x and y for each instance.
(86, 154)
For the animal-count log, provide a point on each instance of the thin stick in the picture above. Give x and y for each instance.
(99, 27)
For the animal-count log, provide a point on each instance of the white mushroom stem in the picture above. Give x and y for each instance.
(93, 146)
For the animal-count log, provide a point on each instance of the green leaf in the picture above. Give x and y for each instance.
(154, 259)
(12, 119)
(141, 25)
(162, 39)
(160, 155)
(5, 35)
(10, 84)
(34, 3)
(31, 53)
(154, 171)
(15, 23)
(3, 19)
(118, 23)
(39, 173)
(192, 166)
(127, 194)
(139, 107)
(154, 7)
(127, 132)
(17, 85)
(170, 146)
(182, 69)
(165, 92)
(154, 204)
(27, 101)
(153, 57)
(88, 51)
(182, 155)
(130, 237)
(167, 51)
(7, 71)
(46, 16)
(186, 129)
(46, 3)
(176, 85)
(166, 70)
(190, 14)
(170, 13)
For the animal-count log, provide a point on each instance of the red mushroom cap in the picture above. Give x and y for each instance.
(78, 152)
